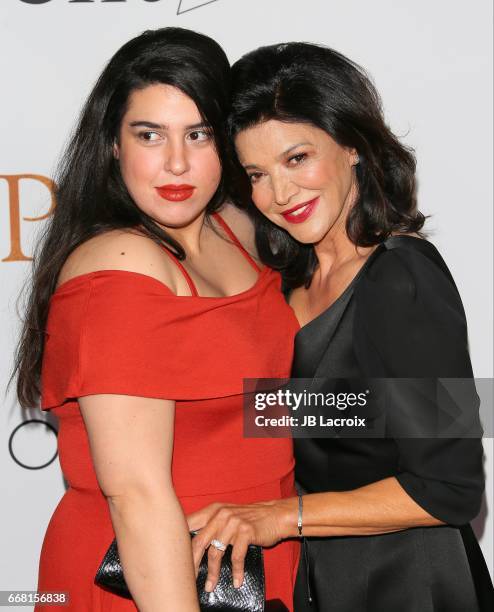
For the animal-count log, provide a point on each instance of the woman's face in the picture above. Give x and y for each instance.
(167, 155)
(302, 180)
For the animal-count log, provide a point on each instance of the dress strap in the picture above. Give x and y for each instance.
(181, 267)
(236, 241)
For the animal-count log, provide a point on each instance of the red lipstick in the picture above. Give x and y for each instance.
(175, 193)
(292, 216)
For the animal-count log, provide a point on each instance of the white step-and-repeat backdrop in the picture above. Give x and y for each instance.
(431, 61)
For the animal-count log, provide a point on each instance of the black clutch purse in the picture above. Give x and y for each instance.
(250, 597)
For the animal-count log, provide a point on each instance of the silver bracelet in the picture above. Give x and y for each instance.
(300, 510)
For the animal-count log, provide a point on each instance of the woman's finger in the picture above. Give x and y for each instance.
(215, 555)
(239, 552)
(210, 519)
(202, 541)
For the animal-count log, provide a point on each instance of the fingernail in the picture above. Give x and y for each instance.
(209, 586)
(236, 583)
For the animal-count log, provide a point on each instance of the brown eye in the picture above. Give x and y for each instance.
(254, 177)
(297, 159)
(148, 136)
(199, 135)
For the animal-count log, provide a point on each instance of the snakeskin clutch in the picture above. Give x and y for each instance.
(250, 597)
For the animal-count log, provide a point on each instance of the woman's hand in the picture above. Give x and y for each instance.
(264, 524)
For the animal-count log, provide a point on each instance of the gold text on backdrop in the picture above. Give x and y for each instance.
(13, 181)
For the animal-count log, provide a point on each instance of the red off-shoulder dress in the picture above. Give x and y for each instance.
(120, 332)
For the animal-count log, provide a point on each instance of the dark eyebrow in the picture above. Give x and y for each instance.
(148, 124)
(159, 126)
(281, 155)
(198, 126)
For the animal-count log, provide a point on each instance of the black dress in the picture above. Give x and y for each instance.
(400, 317)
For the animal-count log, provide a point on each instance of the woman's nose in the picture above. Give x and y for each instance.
(176, 161)
(283, 190)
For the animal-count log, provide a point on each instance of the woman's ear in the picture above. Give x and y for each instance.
(354, 158)
(116, 151)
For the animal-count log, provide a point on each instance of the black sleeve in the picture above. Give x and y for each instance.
(410, 323)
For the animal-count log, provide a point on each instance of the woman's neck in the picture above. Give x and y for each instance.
(335, 250)
(189, 236)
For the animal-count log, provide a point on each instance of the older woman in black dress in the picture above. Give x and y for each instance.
(335, 211)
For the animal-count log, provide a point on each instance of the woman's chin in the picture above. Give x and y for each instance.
(307, 234)
(178, 219)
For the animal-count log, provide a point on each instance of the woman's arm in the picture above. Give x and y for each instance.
(131, 440)
(410, 325)
(381, 507)
(121, 355)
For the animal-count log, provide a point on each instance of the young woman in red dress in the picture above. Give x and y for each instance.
(146, 313)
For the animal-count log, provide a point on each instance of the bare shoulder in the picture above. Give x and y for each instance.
(242, 226)
(119, 250)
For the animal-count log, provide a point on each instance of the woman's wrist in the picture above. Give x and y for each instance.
(288, 517)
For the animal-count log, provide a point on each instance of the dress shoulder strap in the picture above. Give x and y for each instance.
(236, 241)
(181, 267)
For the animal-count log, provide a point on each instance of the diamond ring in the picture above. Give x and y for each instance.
(219, 545)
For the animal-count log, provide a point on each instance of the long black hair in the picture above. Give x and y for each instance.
(307, 83)
(90, 194)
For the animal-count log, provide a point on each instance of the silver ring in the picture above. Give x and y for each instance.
(219, 545)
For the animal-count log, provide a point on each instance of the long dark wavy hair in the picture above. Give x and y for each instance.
(306, 83)
(91, 196)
